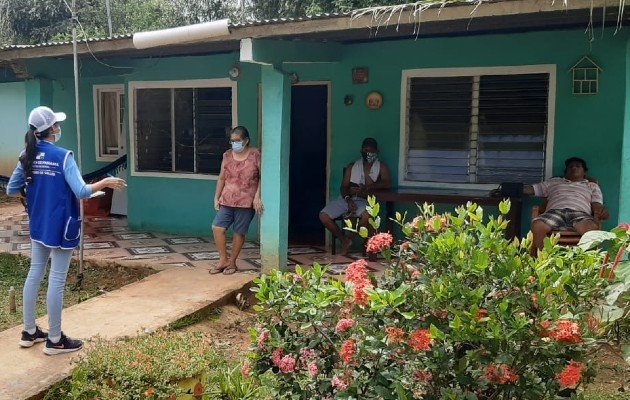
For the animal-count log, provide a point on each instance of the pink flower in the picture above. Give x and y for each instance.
(276, 356)
(262, 338)
(245, 370)
(348, 348)
(380, 242)
(357, 272)
(287, 363)
(307, 354)
(339, 384)
(357, 275)
(344, 324)
(312, 369)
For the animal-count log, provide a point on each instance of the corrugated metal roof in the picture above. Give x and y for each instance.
(275, 21)
(49, 44)
(240, 25)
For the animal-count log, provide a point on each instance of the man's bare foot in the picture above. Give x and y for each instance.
(345, 246)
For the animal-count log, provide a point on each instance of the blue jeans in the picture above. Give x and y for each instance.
(56, 284)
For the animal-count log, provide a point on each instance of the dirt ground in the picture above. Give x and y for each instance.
(613, 373)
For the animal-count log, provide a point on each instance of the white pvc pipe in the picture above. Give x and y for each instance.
(181, 34)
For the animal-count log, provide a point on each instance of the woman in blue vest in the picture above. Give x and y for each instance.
(50, 180)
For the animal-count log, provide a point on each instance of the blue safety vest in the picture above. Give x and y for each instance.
(53, 209)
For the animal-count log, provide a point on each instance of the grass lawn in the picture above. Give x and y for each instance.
(97, 280)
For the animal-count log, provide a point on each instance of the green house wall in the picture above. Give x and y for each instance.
(591, 127)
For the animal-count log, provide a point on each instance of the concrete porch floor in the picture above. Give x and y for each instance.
(109, 240)
(182, 287)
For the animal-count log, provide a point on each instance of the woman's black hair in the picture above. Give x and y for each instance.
(241, 131)
(30, 145)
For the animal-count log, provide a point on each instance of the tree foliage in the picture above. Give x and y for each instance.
(36, 21)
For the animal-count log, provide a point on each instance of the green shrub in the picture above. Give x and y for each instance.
(143, 367)
(463, 313)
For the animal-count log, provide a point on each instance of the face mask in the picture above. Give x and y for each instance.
(369, 157)
(57, 135)
(238, 146)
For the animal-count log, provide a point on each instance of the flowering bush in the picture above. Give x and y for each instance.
(462, 313)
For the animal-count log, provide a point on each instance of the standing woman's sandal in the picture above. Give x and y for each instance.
(217, 269)
(229, 270)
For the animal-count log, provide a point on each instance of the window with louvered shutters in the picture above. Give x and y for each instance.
(477, 129)
(182, 130)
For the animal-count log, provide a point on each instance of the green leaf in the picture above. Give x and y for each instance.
(400, 391)
(348, 223)
(363, 232)
(408, 315)
(504, 207)
(398, 216)
(593, 239)
(607, 313)
(614, 291)
(625, 352)
(570, 291)
(435, 332)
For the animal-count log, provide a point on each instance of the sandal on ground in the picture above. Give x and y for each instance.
(217, 269)
(229, 270)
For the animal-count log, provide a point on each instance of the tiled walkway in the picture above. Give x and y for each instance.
(108, 240)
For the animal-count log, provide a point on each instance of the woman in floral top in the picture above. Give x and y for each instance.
(236, 199)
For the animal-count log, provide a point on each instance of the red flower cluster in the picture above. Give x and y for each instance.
(571, 375)
(379, 242)
(500, 374)
(565, 331)
(420, 340)
(348, 348)
(422, 376)
(357, 275)
(395, 335)
(344, 324)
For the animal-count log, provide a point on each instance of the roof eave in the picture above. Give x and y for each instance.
(326, 25)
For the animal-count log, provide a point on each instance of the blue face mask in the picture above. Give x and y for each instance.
(238, 147)
(57, 135)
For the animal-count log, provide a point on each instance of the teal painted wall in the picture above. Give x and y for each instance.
(624, 185)
(587, 126)
(161, 204)
(14, 124)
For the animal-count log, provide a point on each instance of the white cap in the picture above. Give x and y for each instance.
(43, 118)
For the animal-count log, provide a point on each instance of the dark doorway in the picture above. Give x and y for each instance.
(307, 174)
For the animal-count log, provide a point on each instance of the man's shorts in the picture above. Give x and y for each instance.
(563, 219)
(339, 207)
(239, 218)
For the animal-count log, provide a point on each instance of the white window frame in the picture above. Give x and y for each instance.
(472, 71)
(183, 84)
(96, 90)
